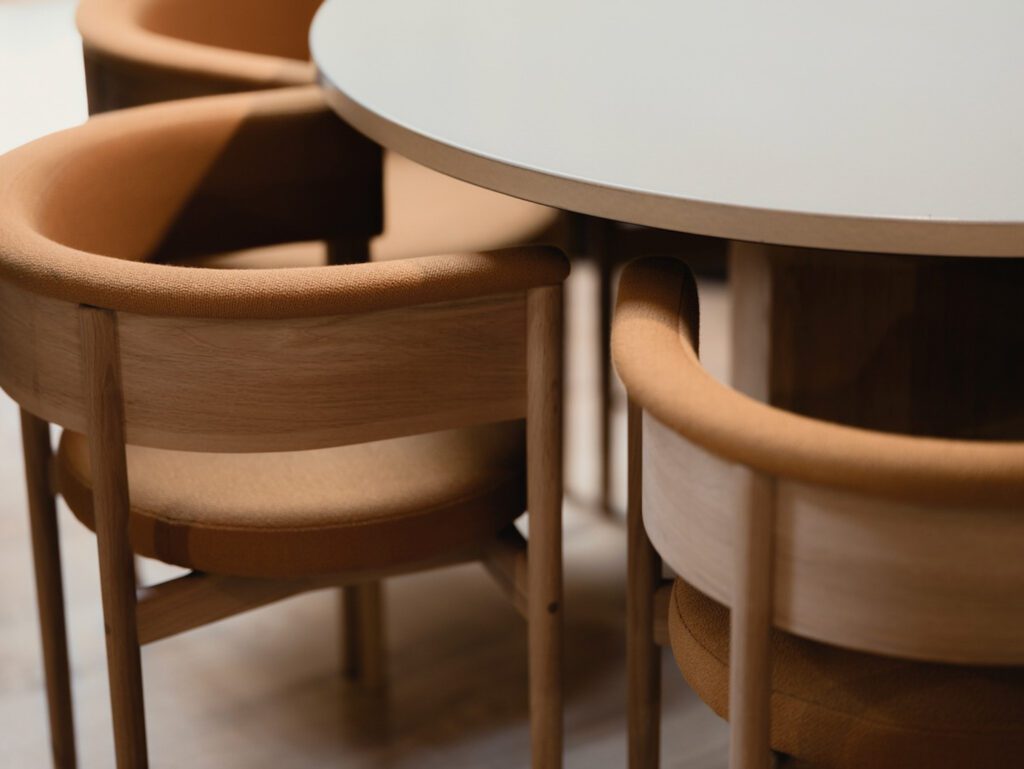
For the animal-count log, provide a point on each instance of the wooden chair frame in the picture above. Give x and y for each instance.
(768, 496)
(530, 573)
(95, 344)
(647, 603)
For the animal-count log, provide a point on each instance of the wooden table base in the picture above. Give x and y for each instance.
(921, 345)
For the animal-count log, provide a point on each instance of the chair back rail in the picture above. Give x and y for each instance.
(276, 385)
(920, 581)
(896, 545)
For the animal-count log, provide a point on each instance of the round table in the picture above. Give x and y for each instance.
(866, 158)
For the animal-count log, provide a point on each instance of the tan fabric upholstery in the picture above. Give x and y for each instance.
(372, 505)
(655, 323)
(145, 51)
(424, 213)
(837, 709)
(209, 175)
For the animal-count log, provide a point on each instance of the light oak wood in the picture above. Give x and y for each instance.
(35, 436)
(197, 599)
(506, 562)
(643, 656)
(889, 589)
(544, 503)
(750, 675)
(364, 649)
(448, 365)
(41, 356)
(104, 397)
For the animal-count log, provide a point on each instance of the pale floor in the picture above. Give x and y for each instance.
(262, 690)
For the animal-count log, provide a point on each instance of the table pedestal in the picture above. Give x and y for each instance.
(921, 345)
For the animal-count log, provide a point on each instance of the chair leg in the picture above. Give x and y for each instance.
(642, 652)
(750, 683)
(348, 251)
(364, 648)
(101, 367)
(544, 503)
(607, 274)
(35, 438)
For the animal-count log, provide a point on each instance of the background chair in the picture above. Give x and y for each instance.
(273, 431)
(845, 597)
(144, 51)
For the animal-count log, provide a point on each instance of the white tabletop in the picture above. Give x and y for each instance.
(876, 125)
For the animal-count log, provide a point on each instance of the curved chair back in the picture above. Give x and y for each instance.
(144, 51)
(901, 546)
(892, 544)
(253, 360)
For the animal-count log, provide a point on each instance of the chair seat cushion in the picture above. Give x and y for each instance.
(367, 506)
(838, 709)
(425, 213)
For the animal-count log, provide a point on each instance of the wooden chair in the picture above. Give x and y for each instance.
(139, 52)
(846, 598)
(275, 430)
(612, 245)
(144, 51)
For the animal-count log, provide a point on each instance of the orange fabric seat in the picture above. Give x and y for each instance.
(366, 506)
(839, 709)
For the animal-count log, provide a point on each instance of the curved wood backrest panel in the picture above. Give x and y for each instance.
(885, 543)
(654, 322)
(144, 51)
(929, 582)
(278, 385)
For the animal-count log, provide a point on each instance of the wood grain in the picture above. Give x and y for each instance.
(915, 345)
(506, 562)
(35, 436)
(196, 599)
(850, 569)
(643, 657)
(750, 664)
(103, 395)
(544, 503)
(447, 365)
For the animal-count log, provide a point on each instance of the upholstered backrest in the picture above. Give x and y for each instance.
(211, 175)
(892, 544)
(144, 51)
(268, 27)
(251, 360)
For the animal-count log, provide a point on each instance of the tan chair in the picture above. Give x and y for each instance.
(874, 580)
(273, 430)
(145, 51)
